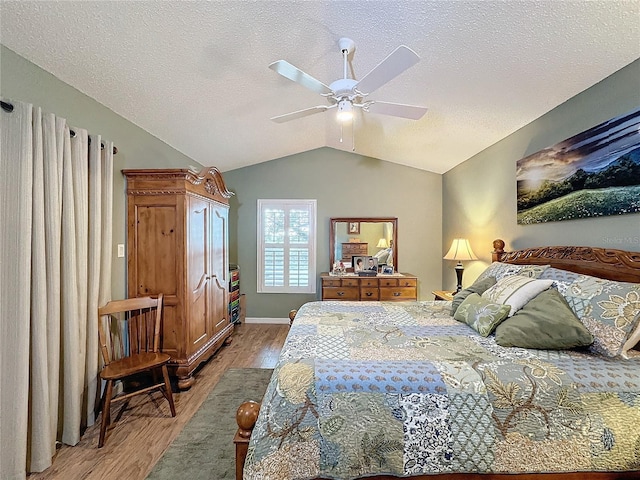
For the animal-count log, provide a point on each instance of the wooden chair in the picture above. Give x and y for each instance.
(139, 350)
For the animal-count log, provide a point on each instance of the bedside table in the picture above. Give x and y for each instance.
(443, 295)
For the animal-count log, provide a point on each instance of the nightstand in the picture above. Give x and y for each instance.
(443, 295)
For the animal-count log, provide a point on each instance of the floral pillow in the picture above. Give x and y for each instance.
(516, 291)
(479, 287)
(500, 270)
(609, 309)
(481, 314)
(533, 271)
(561, 278)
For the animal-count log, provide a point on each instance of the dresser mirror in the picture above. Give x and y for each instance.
(365, 236)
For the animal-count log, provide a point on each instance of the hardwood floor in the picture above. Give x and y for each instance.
(143, 432)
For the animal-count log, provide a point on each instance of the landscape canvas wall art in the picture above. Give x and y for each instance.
(592, 174)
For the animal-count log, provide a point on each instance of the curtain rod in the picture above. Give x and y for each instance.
(7, 107)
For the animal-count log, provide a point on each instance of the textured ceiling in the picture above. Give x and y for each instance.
(194, 73)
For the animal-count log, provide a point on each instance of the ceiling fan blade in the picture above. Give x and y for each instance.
(301, 113)
(389, 68)
(287, 70)
(412, 112)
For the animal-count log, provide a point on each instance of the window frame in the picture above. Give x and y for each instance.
(287, 204)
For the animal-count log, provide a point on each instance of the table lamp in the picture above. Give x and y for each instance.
(382, 243)
(460, 250)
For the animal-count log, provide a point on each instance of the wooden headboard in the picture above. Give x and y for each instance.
(606, 263)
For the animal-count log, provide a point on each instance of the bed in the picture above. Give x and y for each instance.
(385, 390)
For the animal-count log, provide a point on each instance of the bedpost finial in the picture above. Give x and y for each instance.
(246, 417)
(498, 250)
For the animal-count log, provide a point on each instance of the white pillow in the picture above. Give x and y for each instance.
(516, 291)
(383, 256)
(634, 339)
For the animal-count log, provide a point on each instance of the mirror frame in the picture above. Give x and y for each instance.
(332, 235)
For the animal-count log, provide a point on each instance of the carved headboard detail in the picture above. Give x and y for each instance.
(608, 263)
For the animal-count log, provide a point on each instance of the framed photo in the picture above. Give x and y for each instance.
(354, 227)
(387, 269)
(365, 262)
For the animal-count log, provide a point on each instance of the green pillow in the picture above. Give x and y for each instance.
(546, 322)
(479, 287)
(481, 314)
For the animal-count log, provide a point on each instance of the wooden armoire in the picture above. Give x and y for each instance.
(177, 244)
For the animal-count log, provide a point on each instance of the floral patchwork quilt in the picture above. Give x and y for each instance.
(373, 388)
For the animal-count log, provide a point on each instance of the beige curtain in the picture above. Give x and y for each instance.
(55, 244)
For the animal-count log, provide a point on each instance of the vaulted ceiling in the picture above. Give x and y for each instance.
(195, 73)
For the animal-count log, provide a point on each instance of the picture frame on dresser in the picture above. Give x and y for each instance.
(367, 262)
(387, 269)
(358, 263)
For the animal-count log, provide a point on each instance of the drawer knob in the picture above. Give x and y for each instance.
(340, 294)
(369, 294)
(396, 294)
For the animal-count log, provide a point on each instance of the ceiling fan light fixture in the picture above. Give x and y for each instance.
(345, 111)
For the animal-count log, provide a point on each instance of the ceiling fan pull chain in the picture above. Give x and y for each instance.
(341, 131)
(353, 135)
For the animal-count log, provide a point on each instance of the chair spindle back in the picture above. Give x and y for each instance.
(142, 317)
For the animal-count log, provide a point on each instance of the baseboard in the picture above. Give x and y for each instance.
(273, 321)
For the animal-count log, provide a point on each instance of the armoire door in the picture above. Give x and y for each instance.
(219, 267)
(154, 265)
(198, 274)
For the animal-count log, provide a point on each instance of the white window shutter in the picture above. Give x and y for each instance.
(286, 246)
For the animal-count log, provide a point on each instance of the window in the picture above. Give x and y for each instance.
(286, 246)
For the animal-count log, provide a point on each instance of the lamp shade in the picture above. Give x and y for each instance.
(460, 250)
(382, 243)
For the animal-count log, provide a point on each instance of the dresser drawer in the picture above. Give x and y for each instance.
(398, 293)
(407, 282)
(339, 282)
(371, 293)
(340, 293)
(331, 282)
(388, 282)
(369, 282)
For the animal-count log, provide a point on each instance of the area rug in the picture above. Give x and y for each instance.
(204, 449)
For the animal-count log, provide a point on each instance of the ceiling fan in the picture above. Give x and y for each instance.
(345, 94)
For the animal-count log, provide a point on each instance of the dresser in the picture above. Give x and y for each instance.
(351, 249)
(177, 244)
(382, 287)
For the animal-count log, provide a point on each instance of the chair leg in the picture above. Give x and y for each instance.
(167, 390)
(106, 411)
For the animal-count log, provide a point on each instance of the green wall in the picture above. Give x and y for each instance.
(344, 185)
(479, 195)
(25, 81)
(476, 199)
